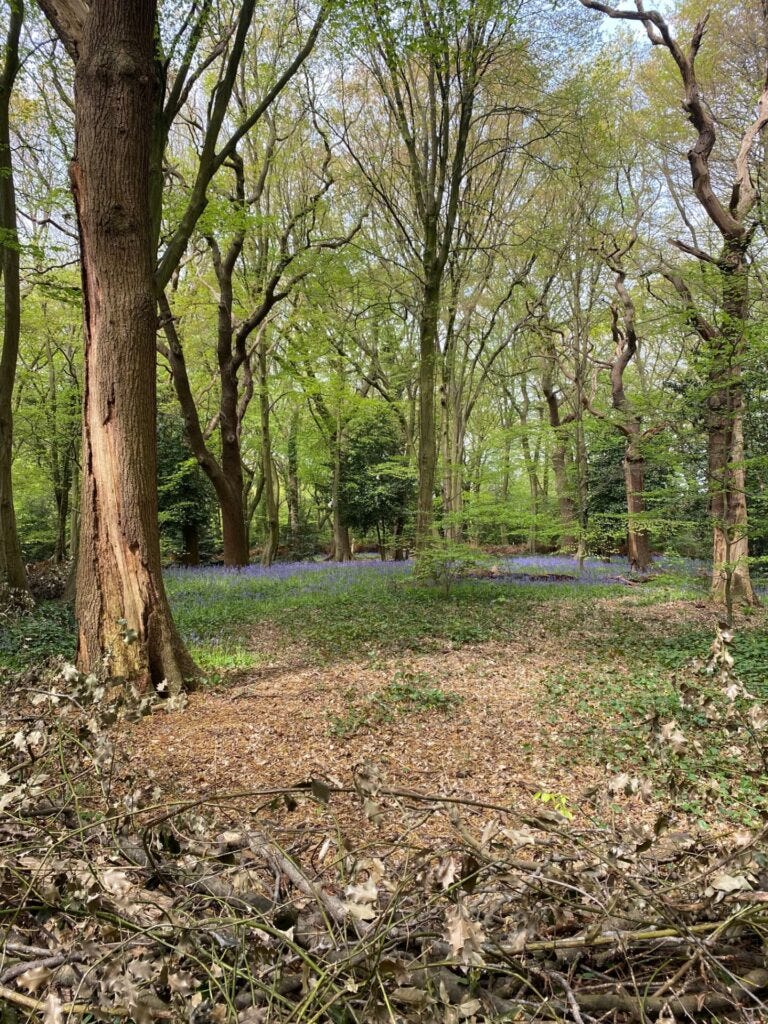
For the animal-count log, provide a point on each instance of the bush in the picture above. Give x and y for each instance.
(445, 563)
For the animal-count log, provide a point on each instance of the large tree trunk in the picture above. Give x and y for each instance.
(234, 529)
(731, 580)
(565, 501)
(12, 572)
(122, 608)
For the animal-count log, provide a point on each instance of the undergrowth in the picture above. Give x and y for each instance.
(614, 714)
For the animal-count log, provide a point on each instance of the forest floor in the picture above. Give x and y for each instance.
(525, 687)
(531, 685)
(492, 804)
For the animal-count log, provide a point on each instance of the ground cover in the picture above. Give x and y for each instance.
(520, 800)
(534, 678)
(510, 684)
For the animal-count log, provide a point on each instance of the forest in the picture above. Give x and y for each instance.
(383, 511)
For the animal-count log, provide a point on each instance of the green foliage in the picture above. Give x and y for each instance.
(408, 693)
(443, 563)
(48, 631)
(557, 801)
(185, 497)
(377, 484)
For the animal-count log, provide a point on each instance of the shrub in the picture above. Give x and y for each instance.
(445, 563)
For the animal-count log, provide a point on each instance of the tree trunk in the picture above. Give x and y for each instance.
(342, 546)
(731, 582)
(122, 609)
(630, 425)
(62, 513)
(453, 476)
(293, 492)
(231, 489)
(74, 532)
(565, 500)
(272, 539)
(638, 545)
(12, 571)
(234, 532)
(190, 533)
(427, 458)
(227, 478)
(400, 553)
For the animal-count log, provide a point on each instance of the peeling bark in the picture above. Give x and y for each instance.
(124, 619)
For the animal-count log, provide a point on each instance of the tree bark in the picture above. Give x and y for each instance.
(12, 571)
(565, 500)
(292, 489)
(227, 479)
(630, 424)
(427, 457)
(272, 538)
(453, 434)
(638, 545)
(731, 582)
(342, 545)
(122, 609)
(191, 539)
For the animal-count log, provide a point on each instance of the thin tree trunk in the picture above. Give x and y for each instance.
(427, 457)
(630, 424)
(122, 608)
(292, 489)
(227, 478)
(74, 532)
(731, 580)
(190, 533)
(272, 539)
(12, 571)
(234, 529)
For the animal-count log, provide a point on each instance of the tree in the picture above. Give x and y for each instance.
(122, 608)
(725, 342)
(429, 63)
(629, 422)
(12, 572)
(376, 485)
(185, 499)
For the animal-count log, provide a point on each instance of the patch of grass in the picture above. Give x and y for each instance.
(408, 693)
(224, 657)
(48, 630)
(350, 616)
